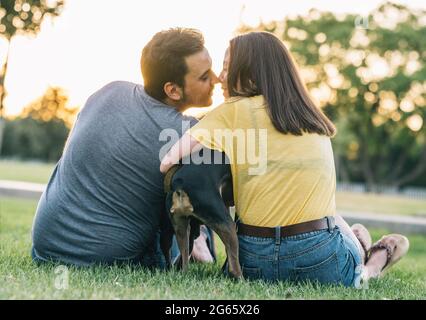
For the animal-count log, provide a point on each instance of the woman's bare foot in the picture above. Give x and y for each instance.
(385, 253)
(364, 238)
(200, 251)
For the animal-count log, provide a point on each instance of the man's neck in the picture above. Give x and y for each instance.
(175, 104)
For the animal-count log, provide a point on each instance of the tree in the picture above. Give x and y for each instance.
(53, 105)
(368, 73)
(42, 129)
(21, 17)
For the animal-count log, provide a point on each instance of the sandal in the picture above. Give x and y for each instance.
(364, 238)
(396, 246)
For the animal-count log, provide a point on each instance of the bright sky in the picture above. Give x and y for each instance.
(98, 41)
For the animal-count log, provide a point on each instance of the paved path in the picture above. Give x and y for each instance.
(393, 223)
(21, 189)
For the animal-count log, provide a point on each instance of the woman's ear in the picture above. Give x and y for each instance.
(173, 91)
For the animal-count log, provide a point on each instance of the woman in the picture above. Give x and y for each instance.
(285, 198)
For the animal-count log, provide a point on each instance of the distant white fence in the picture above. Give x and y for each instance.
(409, 192)
(21, 189)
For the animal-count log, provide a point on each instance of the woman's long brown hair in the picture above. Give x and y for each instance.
(260, 64)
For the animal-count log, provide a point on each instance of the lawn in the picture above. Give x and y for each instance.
(36, 172)
(21, 279)
(384, 204)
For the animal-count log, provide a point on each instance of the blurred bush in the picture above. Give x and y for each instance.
(40, 132)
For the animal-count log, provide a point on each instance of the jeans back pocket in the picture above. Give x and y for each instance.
(324, 272)
(251, 273)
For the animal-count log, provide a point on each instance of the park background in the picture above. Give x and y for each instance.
(363, 62)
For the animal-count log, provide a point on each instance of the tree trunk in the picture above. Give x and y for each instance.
(415, 172)
(365, 160)
(366, 170)
(3, 96)
(342, 171)
(396, 170)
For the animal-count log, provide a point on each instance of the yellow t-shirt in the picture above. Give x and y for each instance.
(278, 179)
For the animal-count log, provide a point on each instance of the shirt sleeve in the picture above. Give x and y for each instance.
(214, 130)
(192, 120)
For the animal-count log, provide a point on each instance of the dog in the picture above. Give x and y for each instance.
(201, 194)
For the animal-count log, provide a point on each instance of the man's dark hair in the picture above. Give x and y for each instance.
(260, 64)
(163, 58)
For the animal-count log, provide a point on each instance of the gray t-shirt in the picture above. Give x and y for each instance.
(105, 197)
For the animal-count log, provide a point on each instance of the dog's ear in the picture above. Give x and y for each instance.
(181, 204)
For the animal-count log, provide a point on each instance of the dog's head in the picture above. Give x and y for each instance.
(181, 204)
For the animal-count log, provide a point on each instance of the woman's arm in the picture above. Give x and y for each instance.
(185, 146)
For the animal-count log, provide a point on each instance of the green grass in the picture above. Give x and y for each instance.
(384, 204)
(21, 279)
(26, 171)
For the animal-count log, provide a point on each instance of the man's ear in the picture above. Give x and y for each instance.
(173, 91)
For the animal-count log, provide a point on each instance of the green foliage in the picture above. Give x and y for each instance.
(42, 129)
(34, 139)
(53, 105)
(370, 79)
(26, 16)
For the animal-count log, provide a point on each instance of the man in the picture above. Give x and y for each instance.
(104, 201)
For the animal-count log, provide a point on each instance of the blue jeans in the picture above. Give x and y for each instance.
(324, 256)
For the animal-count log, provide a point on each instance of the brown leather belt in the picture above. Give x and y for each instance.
(287, 231)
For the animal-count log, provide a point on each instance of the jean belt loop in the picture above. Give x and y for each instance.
(330, 224)
(277, 235)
